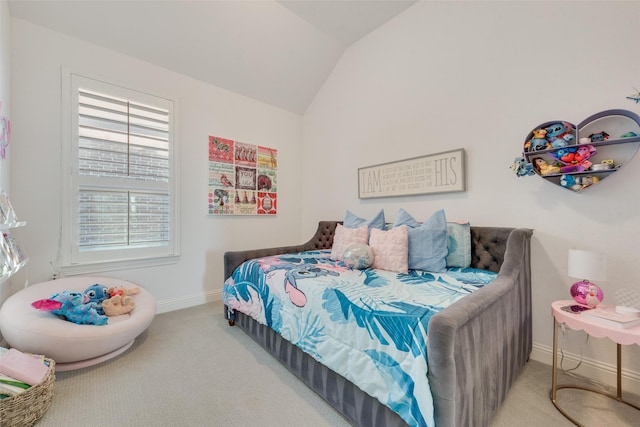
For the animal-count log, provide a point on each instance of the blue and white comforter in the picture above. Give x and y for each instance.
(370, 326)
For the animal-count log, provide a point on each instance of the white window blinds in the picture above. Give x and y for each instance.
(120, 205)
(121, 140)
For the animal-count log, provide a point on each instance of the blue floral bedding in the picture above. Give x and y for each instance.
(370, 326)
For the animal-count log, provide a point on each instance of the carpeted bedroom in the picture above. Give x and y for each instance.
(328, 212)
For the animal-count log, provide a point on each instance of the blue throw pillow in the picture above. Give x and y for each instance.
(427, 241)
(459, 246)
(353, 221)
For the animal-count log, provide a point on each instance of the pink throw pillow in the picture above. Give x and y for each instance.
(391, 249)
(344, 237)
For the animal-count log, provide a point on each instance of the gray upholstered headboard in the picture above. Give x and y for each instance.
(488, 245)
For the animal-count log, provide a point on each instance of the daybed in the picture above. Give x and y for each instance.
(476, 347)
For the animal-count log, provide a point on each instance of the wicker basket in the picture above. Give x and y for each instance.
(26, 408)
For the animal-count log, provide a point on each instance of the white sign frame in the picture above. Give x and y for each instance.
(434, 173)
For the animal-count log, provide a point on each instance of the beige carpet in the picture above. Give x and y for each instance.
(191, 369)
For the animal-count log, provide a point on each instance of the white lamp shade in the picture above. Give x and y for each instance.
(587, 265)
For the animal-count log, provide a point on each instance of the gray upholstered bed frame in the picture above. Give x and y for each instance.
(477, 347)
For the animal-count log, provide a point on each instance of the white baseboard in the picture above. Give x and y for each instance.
(187, 301)
(602, 373)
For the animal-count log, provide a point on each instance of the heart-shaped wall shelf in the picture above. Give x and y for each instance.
(579, 157)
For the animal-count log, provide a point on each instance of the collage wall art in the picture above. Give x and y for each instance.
(242, 178)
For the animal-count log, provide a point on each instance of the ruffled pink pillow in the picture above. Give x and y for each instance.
(391, 249)
(344, 237)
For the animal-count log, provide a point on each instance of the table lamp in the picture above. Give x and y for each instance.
(586, 266)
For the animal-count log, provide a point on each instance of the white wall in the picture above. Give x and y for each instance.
(480, 76)
(5, 81)
(5, 109)
(37, 57)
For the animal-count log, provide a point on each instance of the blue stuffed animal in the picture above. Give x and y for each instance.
(97, 294)
(559, 134)
(72, 306)
(577, 183)
(522, 167)
(538, 141)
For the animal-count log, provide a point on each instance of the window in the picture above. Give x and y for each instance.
(120, 208)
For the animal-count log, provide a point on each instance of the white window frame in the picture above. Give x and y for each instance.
(71, 260)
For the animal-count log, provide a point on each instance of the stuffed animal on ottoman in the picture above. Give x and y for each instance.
(71, 306)
(97, 293)
(120, 301)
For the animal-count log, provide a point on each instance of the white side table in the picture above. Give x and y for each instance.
(596, 329)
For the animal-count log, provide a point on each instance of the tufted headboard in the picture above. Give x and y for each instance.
(488, 246)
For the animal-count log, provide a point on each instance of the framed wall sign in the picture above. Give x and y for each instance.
(433, 173)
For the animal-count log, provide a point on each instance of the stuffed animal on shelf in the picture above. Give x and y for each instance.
(577, 183)
(574, 159)
(566, 156)
(72, 306)
(120, 301)
(599, 137)
(559, 134)
(538, 141)
(569, 181)
(543, 167)
(583, 153)
(97, 294)
(605, 165)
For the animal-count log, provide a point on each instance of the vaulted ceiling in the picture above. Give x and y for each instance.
(278, 52)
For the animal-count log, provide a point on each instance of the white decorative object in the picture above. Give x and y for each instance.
(358, 255)
(12, 257)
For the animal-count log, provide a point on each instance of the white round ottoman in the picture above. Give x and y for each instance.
(71, 345)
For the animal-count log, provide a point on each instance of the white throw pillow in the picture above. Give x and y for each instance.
(390, 249)
(344, 237)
